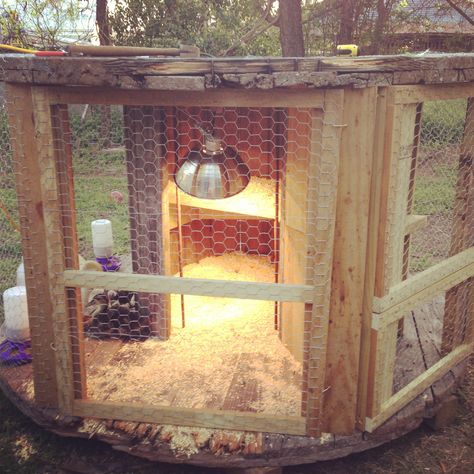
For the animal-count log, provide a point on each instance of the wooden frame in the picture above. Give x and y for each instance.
(348, 277)
(65, 278)
(363, 141)
(393, 297)
(191, 286)
(223, 419)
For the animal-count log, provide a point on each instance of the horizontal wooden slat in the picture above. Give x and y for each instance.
(414, 223)
(422, 93)
(223, 419)
(229, 98)
(421, 287)
(189, 286)
(418, 386)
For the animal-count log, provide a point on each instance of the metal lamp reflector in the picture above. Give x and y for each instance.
(212, 172)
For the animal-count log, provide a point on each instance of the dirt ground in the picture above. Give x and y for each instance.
(25, 448)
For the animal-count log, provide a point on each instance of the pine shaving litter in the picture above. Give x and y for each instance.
(225, 341)
(257, 199)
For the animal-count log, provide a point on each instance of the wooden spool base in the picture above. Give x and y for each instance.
(420, 343)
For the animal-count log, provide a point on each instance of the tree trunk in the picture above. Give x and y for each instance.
(380, 24)
(102, 21)
(346, 24)
(291, 28)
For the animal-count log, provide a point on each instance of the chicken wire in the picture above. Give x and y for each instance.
(10, 247)
(180, 350)
(440, 195)
(260, 235)
(436, 176)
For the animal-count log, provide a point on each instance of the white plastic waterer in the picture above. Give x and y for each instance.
(16, 327)
(102, 238)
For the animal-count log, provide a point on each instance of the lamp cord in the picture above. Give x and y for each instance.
(197, 124)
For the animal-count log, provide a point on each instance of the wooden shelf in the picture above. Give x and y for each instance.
(256, 201)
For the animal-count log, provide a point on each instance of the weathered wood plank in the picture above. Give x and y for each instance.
(145, 147)
(259, 73)
(62, 139)
(323, 179)
(348, 276)
(33, 233)
(419, 385)
(53, 203)
(233, 420)
(190, 286)
(229, 98)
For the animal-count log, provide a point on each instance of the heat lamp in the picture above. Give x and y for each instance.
(212, 171)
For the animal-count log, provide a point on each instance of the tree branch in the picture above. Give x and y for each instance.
(460, 11)
(262, 25)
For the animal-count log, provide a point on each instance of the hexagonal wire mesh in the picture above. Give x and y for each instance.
(195, 351)
(441, 209)
(13, 354)
(228, 355)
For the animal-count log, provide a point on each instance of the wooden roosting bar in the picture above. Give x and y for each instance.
(344, 219)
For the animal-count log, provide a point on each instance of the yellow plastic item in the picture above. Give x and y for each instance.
(347, 50)
(16, 49)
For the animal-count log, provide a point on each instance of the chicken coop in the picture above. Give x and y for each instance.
(245, 261)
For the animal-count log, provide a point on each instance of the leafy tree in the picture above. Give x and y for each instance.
(216, 26)
(44, 23)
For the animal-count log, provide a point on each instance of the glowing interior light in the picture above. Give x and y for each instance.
(212, 172)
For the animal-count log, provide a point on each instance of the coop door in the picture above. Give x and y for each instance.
(181, 300)
(423, 306)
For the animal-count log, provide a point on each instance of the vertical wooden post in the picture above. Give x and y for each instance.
(293, 209)
(54, 202)
(350, 246)
(147, 174)
(61, 134)
(459, 300)
(375, 227)
(398, 158)
(323, 176)
(31, 205)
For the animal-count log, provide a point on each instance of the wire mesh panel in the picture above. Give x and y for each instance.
(203, 352)
(15, 351)
(436, 174)
(432, 254)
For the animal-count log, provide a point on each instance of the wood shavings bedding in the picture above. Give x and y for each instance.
(201, 366)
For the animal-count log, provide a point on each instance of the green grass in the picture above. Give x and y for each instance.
(443, 122)
(93, 201)
(28, 449)
(435, 192)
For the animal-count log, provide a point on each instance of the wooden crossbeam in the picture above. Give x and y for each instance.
(223, 419)
(421, 287)
(190, 286)
(418, 386)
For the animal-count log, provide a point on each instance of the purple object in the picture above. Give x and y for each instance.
(15, 353)
(109, 264)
